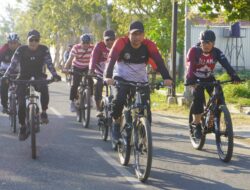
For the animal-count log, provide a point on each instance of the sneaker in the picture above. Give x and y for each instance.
(44, 118)
(99, 114)
(23, 133)
(72, 106)
(198, 133)
(116, 132)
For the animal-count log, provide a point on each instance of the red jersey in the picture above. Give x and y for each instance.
(98, 58)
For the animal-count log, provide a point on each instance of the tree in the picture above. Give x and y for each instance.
(156, 16)
(233, 10)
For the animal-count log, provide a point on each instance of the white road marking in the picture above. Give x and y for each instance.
(185, 124)
(127, 175)
(56, 112)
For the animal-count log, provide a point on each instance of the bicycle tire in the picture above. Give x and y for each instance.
(143, 129)
(13, 112)
(226, 155)
(32, 125)
(78, 115)
(196, 143)
(124, 146)
(85, 109)
(104, 127)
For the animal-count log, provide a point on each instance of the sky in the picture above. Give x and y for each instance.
(12, 3)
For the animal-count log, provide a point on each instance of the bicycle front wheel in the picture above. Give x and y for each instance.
(142, 149)
(13, 112)
(124, 146)
(197, 143)
(85, 108)
(224, 134)
(32, 125)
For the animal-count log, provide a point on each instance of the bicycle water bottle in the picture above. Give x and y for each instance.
(137, 98)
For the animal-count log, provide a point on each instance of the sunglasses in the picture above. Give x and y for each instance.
(206, 42)
(34, 40)
(110, 39)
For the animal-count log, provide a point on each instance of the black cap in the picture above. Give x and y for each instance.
(107, 34)
(136, 26)
(33, 33)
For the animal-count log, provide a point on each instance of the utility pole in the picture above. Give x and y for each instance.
(174, 39)
(187, 45)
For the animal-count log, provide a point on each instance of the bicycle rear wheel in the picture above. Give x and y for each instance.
(197, 143)
(85, 108)
(224, 134)
(32, 125)
(142, 149)
(13, 112)
(103, 123)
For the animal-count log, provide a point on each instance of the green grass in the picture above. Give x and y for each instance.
(159, 103)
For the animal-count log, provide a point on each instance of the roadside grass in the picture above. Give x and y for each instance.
(159, 104)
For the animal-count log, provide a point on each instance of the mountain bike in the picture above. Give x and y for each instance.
(32, 110)
(105, 121)
(136, 131)
(216, 119)
(83, 102)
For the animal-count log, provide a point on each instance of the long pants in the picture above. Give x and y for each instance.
(199, 96)
(76, 82)
(21, 94)
(4, 93)
(120, 99)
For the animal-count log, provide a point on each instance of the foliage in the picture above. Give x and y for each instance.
(157, 18)
(232, 10)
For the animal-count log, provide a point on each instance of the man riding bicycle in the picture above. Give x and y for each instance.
(98, 62)
(201, 60)
(31, 59)
(6, 53)
(128, 58)
(79, 58)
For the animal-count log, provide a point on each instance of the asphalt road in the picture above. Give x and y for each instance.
(73, 158)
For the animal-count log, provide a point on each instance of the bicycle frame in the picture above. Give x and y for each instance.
(214, 102)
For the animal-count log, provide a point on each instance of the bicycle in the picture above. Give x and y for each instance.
(216, 119)
(136, 132)
(83, 102)
(32, 110)
(105, 121)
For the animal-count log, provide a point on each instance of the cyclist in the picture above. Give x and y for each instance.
(97, 64)
(79, 58)
(65, 58)
(128, 58)
(6, 53)
(66, 54)
(201, 60)
(32, 58)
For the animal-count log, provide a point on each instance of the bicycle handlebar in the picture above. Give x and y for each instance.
(212, 83)
(32, 82)
(134, 84)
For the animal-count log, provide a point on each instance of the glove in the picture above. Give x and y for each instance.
(190, 81)
(5, 79)
(91, 72)
(57, 78)
(235, 78)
